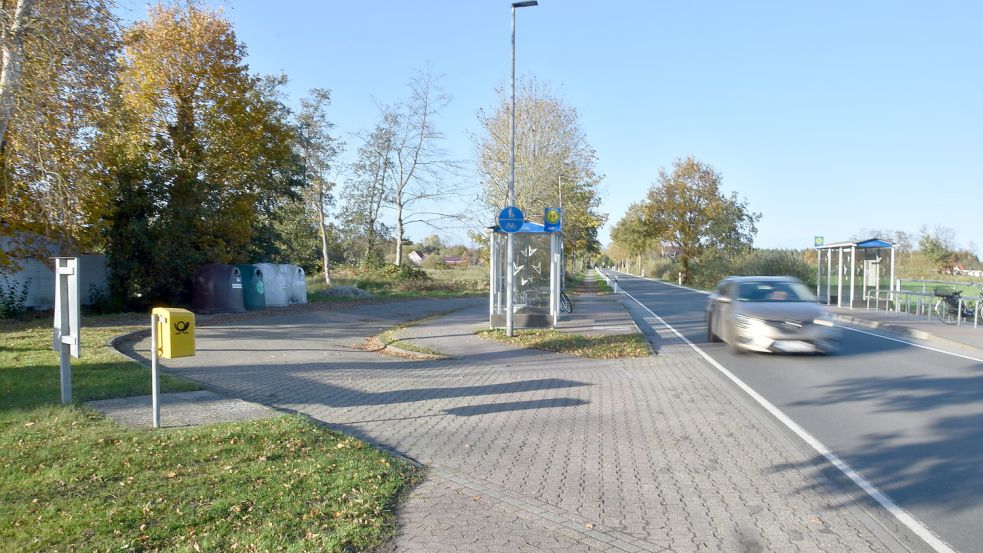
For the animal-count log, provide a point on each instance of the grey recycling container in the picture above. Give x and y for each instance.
(296, 283)
(275, 284)
(217, 288)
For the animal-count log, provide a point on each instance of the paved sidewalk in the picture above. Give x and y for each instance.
(596, 315)
(533, 451)
(920, 327)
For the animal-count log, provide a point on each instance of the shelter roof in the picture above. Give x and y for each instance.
(859, 244)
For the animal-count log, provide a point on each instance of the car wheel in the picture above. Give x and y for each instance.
(711, 337)
(732, 343)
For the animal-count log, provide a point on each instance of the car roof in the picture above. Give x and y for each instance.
(762, 279)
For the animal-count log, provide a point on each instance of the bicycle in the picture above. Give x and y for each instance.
(565, 303)
(950, 308)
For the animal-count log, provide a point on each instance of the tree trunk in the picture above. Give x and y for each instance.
(399, 233)
(324, 238)
(13, 53)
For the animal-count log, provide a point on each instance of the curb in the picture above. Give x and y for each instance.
(905, 331)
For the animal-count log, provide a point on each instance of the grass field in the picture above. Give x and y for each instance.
(72, 480)
(594, 347)
(438, 283)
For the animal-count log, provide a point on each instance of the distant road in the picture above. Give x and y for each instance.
(909, 420)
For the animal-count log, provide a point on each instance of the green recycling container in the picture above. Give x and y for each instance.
(253, 287)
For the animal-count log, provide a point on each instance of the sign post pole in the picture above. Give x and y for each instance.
(154, 373)
(66, 335)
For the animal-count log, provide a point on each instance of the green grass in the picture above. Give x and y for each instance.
(594, 347)
(439, 283)
(71, 479)
(74, 480)
(29, 368)
(603, 288)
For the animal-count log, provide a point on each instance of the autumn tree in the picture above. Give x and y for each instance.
(630, 233)
(211, 144)
(57, 73)
(319, 150)
(368, 190)
(552, 159)
(688, 209)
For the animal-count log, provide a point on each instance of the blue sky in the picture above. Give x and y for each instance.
(828, 117)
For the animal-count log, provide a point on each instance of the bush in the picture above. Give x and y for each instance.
(710, 269)
(434, 262)
(11, 300)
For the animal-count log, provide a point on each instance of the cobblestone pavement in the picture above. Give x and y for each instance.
(532, 451)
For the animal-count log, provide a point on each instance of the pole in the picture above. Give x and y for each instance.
(839, 279)
(853, 271)
(66, 374)
(154, 373)
(509, 252)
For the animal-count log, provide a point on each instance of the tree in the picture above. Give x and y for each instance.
(688, 209)
(367, 191)
(939, 247)
(552, 159)
(213, 142)
(420, 165)
(56, 78)
(319, 150)
(630, 232)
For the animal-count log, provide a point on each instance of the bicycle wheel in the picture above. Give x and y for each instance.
(945, 312)
(565, 303)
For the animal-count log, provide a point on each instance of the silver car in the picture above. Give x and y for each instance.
(769, 314)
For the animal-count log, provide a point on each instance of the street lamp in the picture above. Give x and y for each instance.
(509, 253)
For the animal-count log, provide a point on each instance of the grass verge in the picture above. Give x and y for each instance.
(594, 347)
(391, 338)
(71, 479)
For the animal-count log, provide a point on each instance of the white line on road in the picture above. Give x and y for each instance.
(929, 348)
(904, 517)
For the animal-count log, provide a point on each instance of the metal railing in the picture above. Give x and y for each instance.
(924, 298)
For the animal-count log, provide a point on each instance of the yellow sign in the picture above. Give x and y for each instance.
(553, 216)
(175, 332)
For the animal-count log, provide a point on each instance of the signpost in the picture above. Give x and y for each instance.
(552, 220)
(511, 219)
(66, 336)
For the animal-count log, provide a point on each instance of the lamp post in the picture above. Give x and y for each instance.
(509, 251)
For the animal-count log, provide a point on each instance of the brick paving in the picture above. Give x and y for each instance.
(533, 451)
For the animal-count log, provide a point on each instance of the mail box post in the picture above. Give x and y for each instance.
(172, 334)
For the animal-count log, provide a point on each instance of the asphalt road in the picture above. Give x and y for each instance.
(908, 419)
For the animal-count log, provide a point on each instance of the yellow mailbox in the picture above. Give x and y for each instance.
(175, 332)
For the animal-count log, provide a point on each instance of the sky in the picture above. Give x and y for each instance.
(826, 117)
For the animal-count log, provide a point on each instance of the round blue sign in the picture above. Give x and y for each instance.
(511, 219)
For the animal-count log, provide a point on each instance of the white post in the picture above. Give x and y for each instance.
(839, 280)
(894, 289)
(509, 284)
(553, 279)
(829, 277)
(154, 374)
(819, 274)
(853, 271)
(492, 288)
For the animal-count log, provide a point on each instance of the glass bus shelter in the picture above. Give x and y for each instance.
(537, 271)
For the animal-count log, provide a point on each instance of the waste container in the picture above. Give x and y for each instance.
(296, 283)
(275, 284)
(253, 287)
(217, 288)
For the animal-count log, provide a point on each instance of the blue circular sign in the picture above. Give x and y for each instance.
(511, 219)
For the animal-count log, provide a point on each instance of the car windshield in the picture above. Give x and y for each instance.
(773, 291)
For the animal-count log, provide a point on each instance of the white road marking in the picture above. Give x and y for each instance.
(904, 517)
(929, 348)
